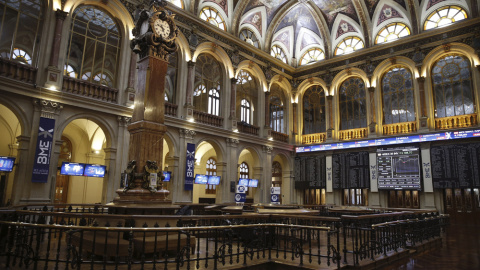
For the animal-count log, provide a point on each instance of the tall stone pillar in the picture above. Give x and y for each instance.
(373, 124)
(233, 102)
(222, 191)
(110, 181)
(423, 105)
(22, 174)
(267, 128)
(190, 85)
(54, 73)
(172, 164)
(179, 192)
(231, 170)
(263, 194)
(330, 129)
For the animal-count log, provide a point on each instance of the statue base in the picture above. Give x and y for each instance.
(139, 201)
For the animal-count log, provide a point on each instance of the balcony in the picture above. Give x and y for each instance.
(399, 128)
(352, 134)
(460, 121)
(247, 128)
(314, 138)
(171, 109)
(281, 137)
(208, 119)
(88, 89)
(17, 71)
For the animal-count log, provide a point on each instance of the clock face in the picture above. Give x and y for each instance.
(162, 28)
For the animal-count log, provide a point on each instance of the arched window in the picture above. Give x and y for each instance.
(208, 78)
(211, 169)
(171, 78)
(243, 77)
(249, 37)
(353, 107)
(69, 71)
(452, 87)
(278, 53)
(444, 16)
(398, 96)
(311, 56)
(245, 111)
(211, 15)
(94, 45)
(314, 110)
(21, 30)
(213, 102)
(392, 32)
(349, 45)
(276, 114)
(244, 171)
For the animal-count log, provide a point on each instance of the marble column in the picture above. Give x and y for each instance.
(110, 182)
(295, 120)
(267, 129)
(22, 174)
(189, 90)
(130, 91)
(223, 190)
(179, 192)
(263, 193)
(373, 125)
(231, 170)
(423, 105)
(233, 103)
(54, 73)
(330, 118)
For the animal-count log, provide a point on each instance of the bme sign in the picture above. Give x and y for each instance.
(43, 150)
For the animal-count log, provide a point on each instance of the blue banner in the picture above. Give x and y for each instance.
(43, 150)
(190, 165)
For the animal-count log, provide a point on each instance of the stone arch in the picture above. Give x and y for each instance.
(20, 114)
(218, 53)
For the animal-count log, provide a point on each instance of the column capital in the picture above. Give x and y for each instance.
(187, 133)
(60, 14)
(232, 142)
(267, 149)
(191, 64)
(371, 89)
(48, 108)
(233, 80)
(123, 121)
(421, 80)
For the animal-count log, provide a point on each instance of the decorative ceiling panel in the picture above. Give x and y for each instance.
(299, 17)
(331, 8)
(271, 5)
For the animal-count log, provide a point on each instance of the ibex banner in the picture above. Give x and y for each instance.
(190, 165)
(43, 150)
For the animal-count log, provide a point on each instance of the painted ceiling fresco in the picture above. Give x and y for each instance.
(271, 6)
(299, 17)
(331, 9)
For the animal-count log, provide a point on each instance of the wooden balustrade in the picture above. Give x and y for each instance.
(351, 134)
(247, 128)
(314, 138)
(278, 136)
(17, 71)
(171, 109)
(399, 128)
(206, 118)
(459, 121)
(88, 89)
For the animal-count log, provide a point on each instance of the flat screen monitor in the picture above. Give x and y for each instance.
(167, 175)
(253, 183)
(399, 168)
(201, 179)
(6, 164)
(73, 169)
(214, 180)
(92, 170)
(243, 182)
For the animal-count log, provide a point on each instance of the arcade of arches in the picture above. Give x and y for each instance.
(252, 82)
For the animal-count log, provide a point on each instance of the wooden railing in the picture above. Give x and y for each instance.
(460, 121)
(17, 71)
(88, 89)
(206, 118)
(399, 128)
(351, 134)
(247, 128)
(314, 138)
(281, 137)
(171, 109)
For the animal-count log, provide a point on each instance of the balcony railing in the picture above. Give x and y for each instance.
(314, 138)
(88, 89)
(247, 128)
(352, 134)
(399, 128)
(17, 71)
(171, 109)
(206, 118)
(460, 121)
(278, 136)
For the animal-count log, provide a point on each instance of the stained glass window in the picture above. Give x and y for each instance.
(213, 102)
(21, 30)
(398, 96)
(208, 77)
(249, 37)
(353, 107)
(245, 111)
(349, 45)
(94, 45)
(276, 114)
(452, 87)
(211, 169)
(244, 171)
(211, 16)
(314, 110)
(278, 53)
(444, 16)
(392, 32)
(311, 56)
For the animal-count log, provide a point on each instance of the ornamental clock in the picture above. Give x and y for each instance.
(155, 32)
